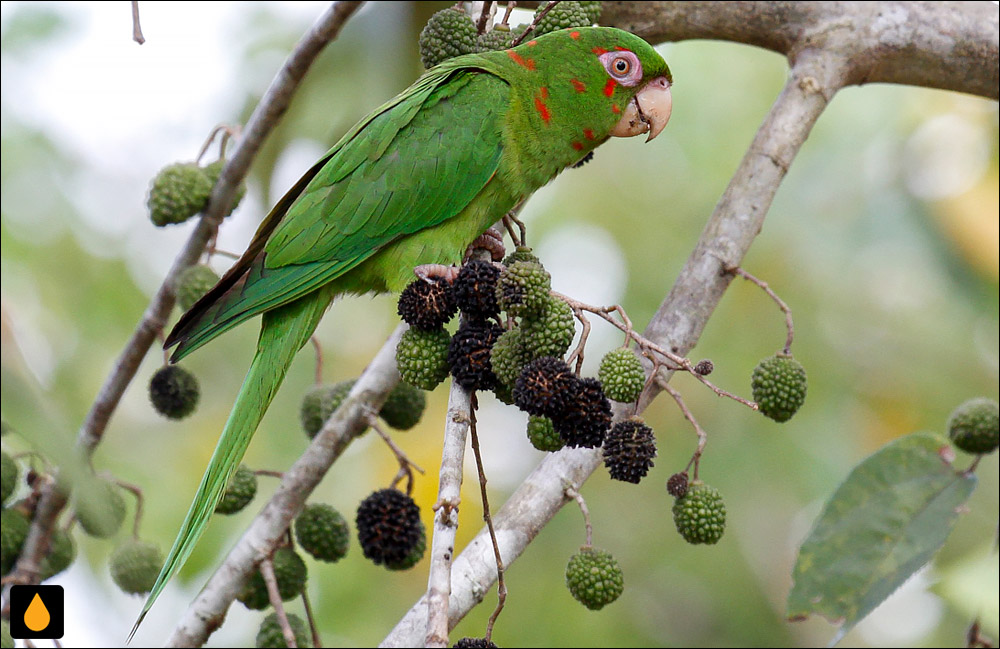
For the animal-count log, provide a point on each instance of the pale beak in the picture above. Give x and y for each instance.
(648, 112)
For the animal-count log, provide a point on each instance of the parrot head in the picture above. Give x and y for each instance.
(592, 83)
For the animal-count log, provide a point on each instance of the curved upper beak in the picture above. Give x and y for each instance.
(648, 112)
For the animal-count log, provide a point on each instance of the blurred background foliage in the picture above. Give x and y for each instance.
(883, 239)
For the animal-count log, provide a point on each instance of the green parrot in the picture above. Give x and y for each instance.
(408, 189)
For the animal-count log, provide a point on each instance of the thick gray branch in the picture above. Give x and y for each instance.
(945, 45)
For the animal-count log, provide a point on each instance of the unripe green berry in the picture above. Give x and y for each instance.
(320, 402)
(508, 356)
(322, 532)
(621, 375)
(594, 578)
(239, 493)
(521, 253)
(974, 426)
(10, 472)
(62, 552)
(563, 16)
(700, 515)
(495, 39)
(192, 283)
(290, 573)
(404, 406)
(523, 290)
(173, 391)
(779, 386)
(552, 332)
(14, 526)
(178, 192)
(271, 636)
(422, 357)
(449, 33)
(135, 566)
(100, 507)
(543, 435)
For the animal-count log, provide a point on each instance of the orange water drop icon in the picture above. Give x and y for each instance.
(37, 616)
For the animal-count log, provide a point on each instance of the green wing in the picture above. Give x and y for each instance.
(413, 163)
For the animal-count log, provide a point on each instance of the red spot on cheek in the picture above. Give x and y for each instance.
(543, 110)
(615, 109)
(578, 85)
(609, 87)
(622, 49)
(544, 92)
(589, 134)
(599, 50)
(574, 35)
(578, 146)
(517, 58)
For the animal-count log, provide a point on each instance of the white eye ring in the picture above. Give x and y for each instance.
(623, 66)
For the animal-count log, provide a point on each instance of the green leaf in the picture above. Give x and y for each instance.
(884, 522)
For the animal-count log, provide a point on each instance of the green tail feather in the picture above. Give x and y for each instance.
(283, 332)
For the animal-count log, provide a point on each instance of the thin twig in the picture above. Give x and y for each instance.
(699, 431)
(774, 296)
(318, 349)
(136, 27)
(488, 518)
(269, 473)
(313, 630)
(484, 16)
(271, 581)
(137, 492)
(506, 14)
(406, 465)
(578, 497)
(534, 23)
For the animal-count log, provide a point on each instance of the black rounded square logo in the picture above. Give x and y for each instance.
(36, 612)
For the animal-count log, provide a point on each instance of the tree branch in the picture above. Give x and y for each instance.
(944, 45)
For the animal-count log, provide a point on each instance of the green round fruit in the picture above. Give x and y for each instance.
(322, 532)
(779, 386)
(551, 333)
(178, 192)
(240, 492)
(495, 39)
(320, 402)
(621, 375)
(700, 515)
(449, 33)
(508, 356)
(10, 472)
(135, 565)
(290, 573)
(422, 357)
(270, 633)
(543, 435)
(974, 426)
(404, 406)
(100, 507)
(594, 578)
(563, 16)
(192, 283)
(14, 526)
(62, 552)
(523, 290)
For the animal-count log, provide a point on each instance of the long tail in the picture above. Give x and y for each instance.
(283, 332)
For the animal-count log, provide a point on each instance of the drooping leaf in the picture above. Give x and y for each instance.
(884, 522)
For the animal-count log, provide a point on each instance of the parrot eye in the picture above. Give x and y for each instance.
(622, 66)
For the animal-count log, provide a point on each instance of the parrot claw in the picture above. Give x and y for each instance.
(492, 241)
(434, 272)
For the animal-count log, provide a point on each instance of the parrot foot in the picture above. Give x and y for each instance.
(491, 240)
(434, 272)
